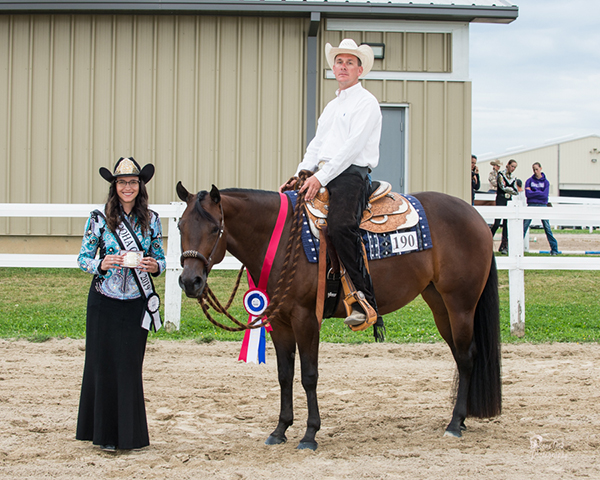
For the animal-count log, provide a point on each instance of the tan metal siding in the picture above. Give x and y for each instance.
(404, 51)
(206, 99)
(577, 171)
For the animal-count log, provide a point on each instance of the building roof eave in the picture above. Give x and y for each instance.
(405, 11)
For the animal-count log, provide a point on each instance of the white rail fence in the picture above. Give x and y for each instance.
(516, 262)
(172, 212)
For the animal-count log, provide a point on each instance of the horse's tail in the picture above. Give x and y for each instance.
(485, 389)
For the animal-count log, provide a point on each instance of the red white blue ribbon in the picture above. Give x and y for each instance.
(256, 299)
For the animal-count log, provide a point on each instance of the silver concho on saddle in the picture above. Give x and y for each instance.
(386, 211)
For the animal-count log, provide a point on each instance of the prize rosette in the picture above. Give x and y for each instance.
(256, 302)
(153, 303)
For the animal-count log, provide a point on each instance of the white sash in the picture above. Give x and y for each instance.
(128, 240)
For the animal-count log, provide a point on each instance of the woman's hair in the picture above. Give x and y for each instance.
(140, 209)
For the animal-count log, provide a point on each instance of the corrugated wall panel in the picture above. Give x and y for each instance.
(101, 105)
(19, 72)
(435, 135)
(404, 51)
(61, 117)
(576, 166)
(293, 77)
(418, 148)
(458, 139)
(5, 111)
(394, 51)
(247, 101)
(144, 100)
(80, 150)
(415, 52)
(206, 99)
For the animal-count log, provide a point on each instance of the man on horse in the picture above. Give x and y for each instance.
(342, 153)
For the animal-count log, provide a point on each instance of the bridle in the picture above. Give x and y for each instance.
(198, 255)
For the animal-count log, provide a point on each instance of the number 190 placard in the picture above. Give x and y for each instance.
(404, 242)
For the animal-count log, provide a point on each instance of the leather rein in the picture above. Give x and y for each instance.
(210, 296)
(214, 302)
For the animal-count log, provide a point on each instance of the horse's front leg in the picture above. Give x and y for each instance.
(285, 347)
(308, 347)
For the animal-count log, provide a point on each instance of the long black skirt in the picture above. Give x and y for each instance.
(111, 407)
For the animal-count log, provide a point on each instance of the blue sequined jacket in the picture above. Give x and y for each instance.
(118, 283)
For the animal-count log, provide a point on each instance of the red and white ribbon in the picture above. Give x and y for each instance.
(254, 343)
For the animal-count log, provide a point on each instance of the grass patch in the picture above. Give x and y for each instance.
(38, 304)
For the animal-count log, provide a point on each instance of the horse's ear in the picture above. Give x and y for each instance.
(182, 193)
(215, 195)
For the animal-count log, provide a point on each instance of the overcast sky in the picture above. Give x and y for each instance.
(538, 78)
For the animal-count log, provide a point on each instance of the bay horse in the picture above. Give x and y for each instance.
(457, 279)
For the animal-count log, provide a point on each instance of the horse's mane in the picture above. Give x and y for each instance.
(246, 191)
(236, 192)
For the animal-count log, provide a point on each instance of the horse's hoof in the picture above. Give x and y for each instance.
(308, 446)
(463, 427)
(273, 440)
(450, 433)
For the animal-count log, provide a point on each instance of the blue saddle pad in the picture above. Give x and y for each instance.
(378, 245)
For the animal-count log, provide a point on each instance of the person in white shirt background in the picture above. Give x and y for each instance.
(343, 152)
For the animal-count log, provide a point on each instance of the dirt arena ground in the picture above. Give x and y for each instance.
(566, 242)
(384, 408)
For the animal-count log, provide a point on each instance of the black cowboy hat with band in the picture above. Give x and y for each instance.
(128, 167)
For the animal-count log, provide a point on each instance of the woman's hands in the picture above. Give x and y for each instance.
(148, 264)
(111, 261)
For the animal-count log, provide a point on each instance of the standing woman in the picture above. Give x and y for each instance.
(122, 306)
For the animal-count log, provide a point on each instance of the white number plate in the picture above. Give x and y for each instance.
(404, 242)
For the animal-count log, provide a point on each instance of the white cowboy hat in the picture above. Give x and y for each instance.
(128, 167)
(364, 53)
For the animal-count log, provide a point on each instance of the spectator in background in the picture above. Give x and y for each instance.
(537, 188)
(475, 181)
(507, 187)
(493, 176)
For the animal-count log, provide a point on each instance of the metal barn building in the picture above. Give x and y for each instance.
(218, 92)
(571, 165)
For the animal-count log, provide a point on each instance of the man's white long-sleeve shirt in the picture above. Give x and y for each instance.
(348, 133)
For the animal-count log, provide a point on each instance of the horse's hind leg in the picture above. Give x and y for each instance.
(460, 340)
(285, 347)
(464, 352)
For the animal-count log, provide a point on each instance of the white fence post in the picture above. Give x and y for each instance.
(172, 290)
(516, 275)
(566, 211)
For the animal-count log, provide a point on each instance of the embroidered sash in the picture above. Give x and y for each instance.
(128, 240)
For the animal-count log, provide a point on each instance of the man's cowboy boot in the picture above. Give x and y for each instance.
(357, 317)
